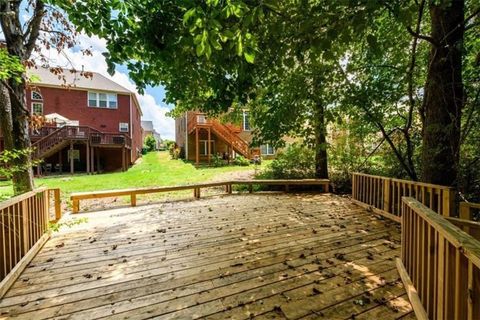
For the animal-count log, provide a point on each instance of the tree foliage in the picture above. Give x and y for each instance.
(367, 63)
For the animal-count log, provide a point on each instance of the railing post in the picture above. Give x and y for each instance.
(75, 205)
(133, 200)
(465, 214)
(58, 208)
(448, 206)
(386, 195)
(25, 228)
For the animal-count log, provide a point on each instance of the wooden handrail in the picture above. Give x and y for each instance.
(24, 229)
(45, 144)
(384, 195)
(133, 192)
(441, 261)
(221, 130)
(467, 212)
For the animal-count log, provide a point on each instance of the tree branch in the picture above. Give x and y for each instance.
(423, 37)
(33, 29)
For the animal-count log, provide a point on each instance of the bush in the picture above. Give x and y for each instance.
(295, 162)
(150, 143)
(174, 151)
(241, 161)
(217, 161)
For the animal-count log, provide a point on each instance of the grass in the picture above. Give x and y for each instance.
(154, 169)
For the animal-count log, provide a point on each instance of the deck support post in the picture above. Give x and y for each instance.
(60, 161)
(71, 158)
(209, 145)
(98, 160)
(123, 158)
(92, 160)
(87, 157)
(197, 152)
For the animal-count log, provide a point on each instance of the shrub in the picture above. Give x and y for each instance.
(174, 152)
(241, 161)
(217, 161)
(295, 162)
(150, 143)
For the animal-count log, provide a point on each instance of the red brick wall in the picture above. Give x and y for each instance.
(136, 126)
(73, 105)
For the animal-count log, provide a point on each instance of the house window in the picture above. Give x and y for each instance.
(204, 147)
(37, 108)
(246, 121)
(112, 101)
(123, 127)
(102, 100)
(36, 95)
(267, 150)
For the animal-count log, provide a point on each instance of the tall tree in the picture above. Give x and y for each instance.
(444, 93)
(46, 27)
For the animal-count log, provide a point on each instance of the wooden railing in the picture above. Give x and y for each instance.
(134, 192)
(440, 265)
(469, 214)
(384, 195)
(23, 230)
(225, 133)
(66, 133)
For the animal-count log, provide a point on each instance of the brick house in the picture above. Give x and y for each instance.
(149, 130)
(93, 124)
(193, 130)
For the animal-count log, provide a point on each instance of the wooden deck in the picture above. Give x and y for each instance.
(234, 257)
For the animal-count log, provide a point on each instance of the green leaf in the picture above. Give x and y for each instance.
(249, 56)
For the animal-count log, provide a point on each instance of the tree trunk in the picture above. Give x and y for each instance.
(444, 94)
(321, 161)
(23, 180)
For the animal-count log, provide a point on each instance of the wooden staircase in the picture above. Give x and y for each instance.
(60, 138)
(199, 120)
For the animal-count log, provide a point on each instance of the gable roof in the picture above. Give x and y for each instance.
(75, 80)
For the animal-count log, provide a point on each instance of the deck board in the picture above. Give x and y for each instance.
(242, 256)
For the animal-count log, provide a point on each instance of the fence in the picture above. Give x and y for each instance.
(23, 230)
(440, 265)
(385, 194)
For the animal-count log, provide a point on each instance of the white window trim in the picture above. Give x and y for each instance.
(120, 126)
(267, 145)
(245, 115)
(97, 95)
(203, 145)
(34, 99)
(35, 102)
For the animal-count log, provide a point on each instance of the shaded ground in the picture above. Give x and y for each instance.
(240, 257)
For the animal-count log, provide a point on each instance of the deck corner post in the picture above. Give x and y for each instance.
(326, 187)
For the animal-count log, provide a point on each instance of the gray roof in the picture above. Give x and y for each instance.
(147, 125)
(76, 80)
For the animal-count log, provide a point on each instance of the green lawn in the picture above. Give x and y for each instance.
(154, 169)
